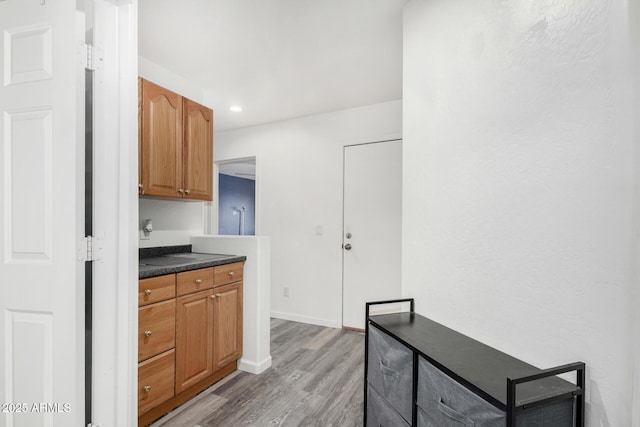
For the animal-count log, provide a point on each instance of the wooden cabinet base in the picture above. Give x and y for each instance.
(164, 408)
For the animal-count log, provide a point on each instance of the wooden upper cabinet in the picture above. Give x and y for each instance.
(140, 187)
(175, 145)
(161, 141)
(198, 151)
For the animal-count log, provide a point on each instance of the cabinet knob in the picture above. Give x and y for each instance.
(187, 191)
(147, 292)
(147, 333)
(231, 273)
(180, 190)
(141, 188)
(218, 295)
(147, 388)
(198, 281)
(212, 296)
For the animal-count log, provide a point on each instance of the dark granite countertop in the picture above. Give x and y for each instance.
(175, 259)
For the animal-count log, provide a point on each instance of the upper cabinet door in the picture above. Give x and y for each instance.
(161, 145)
(198, 151)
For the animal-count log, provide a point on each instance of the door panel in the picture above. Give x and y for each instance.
(372, 227)
(227, 332)
(194, 324)
(198, 151)
(41, 211)
(161, 141)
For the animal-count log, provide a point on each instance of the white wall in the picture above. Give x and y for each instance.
(174, 221)
(518, 172)
(634, 24)
(256, 345)
(299, 187)
(169, 79)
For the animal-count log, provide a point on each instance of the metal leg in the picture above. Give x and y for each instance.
(511, 403)
(580, 382)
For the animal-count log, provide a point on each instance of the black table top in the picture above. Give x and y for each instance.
(478, 366)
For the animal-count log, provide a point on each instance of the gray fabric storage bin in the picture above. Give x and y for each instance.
(446, 403)
(390, 371)
(556, 414)
(380, 413)
(442, 402)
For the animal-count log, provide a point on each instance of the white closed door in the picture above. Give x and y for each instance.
(41, 202)
(372, 234)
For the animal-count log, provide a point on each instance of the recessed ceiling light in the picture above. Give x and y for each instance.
(236, 108)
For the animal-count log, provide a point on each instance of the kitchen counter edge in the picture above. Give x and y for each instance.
(148, 271)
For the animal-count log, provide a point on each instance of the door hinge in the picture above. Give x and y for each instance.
(90, 56)
(90, 249)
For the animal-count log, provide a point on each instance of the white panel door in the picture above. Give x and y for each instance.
(41, 282)
(372, 235)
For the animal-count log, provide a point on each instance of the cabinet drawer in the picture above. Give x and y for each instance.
(156, 289)
(555, 414)
(155, 381)
(380, 413)
(228, 273)
(195, 280)
(390, 371)
(444, 402)
(156, 328)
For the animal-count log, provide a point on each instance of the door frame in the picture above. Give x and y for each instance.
(343, 147)
(212, 217)
(115, 224)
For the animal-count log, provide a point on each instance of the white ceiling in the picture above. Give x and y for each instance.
(279, 59)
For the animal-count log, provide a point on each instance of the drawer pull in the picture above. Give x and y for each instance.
(453, 414)
(198, 281)
(147, 333)
(231, 273)
(147, 292)
(147, 388)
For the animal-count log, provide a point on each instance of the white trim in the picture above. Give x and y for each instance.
(115, 318)
(306, 319)
(254, 367)
(213, 213)
(214, 218)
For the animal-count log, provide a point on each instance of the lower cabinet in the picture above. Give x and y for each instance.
(227, 321)
(155, 380)
(404, 387)
(194, 339)
(188, 342)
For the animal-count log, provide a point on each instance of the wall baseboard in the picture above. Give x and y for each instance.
(306, 319)
(254, 367)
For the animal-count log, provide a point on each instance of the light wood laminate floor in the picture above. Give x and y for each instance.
(316, 379)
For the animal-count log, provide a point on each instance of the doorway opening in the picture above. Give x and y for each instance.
(237, 197)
